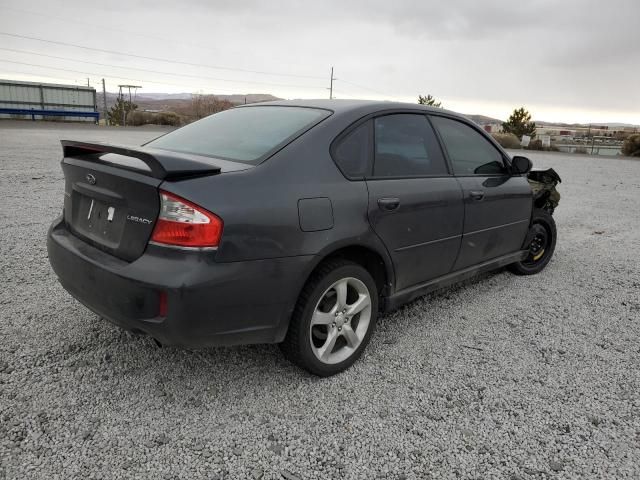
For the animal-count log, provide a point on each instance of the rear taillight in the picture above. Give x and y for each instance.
(184, 224)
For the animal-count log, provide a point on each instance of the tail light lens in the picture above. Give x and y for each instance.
(184, 224)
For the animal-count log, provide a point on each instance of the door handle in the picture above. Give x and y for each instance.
(476, 195)
(388, 203)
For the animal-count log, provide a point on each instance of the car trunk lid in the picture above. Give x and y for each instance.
(111, 192)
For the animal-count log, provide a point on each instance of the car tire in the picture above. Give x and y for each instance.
(541, 243)
(333, 320)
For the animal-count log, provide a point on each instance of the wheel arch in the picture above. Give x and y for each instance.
(372, 255)
(376, 261)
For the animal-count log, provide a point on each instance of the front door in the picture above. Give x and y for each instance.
(497, 203)
(415, 204)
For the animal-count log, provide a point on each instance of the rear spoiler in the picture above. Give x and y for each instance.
(162, 164)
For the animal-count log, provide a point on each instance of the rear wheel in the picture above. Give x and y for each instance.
(542, 243)
(333, 320)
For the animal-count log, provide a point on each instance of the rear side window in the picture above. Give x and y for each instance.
(247, 134)
(352, 152)
(469, 152)
(406, 146)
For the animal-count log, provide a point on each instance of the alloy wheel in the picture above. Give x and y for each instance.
(340, 320)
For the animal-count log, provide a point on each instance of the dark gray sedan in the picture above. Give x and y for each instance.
(293, 222)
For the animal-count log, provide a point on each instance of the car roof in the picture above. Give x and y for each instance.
(340, 106)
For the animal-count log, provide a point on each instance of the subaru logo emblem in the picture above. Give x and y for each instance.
(91, 179)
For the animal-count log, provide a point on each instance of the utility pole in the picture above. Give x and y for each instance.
(121, 98)
(331, 85)
(121, 102)
(88, 83)
(104, 104)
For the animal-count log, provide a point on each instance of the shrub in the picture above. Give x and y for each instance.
(169, 118)
(631, 146)
(138, 118)
(580, 150)
(535, 145)
(506, 140)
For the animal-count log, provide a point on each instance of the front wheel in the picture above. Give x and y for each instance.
(541, 244)
(333, 320)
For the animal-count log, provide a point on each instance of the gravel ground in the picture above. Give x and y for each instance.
(502, 377)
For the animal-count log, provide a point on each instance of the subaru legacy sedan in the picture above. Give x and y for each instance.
(294, 222)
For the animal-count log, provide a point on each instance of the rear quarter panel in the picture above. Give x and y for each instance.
(259, 206)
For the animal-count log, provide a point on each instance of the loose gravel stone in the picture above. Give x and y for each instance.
(556, 466)
(257, 473)
(290, 476)
(501, 377)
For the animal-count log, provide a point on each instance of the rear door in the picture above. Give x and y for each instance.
(497, 203)
(415, 204)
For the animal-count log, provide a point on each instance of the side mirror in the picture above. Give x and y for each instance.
(521, 165)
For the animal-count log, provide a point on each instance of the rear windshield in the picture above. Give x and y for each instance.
(247, 134)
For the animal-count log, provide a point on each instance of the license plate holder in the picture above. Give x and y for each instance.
(101, 221)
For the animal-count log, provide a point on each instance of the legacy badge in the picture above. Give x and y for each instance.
(144, 221)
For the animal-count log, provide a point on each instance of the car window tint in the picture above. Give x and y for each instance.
(246, 134)
(469, 152)
(352, 151)
(405, 145)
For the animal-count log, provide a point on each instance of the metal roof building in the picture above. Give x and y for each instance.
(35, 101)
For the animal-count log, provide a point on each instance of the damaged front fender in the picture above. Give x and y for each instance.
(543, 184)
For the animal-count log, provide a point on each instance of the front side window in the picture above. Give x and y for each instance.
(469, 152)
(405, 145)
(246, 134)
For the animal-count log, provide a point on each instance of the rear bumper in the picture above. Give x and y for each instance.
(208, 303)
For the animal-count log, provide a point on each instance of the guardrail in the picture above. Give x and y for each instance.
(50, 113)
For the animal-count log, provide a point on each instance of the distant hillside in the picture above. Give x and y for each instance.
(164, 96)
(180, 101)
(542, 123)
(170, 101)
(234, 98)
(482, 119)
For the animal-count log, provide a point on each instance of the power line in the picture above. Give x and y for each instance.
(156, 59)
(20, 72)
(84, 72)
(93, 25)
(159, 72)
(153, 37)
(366, 88)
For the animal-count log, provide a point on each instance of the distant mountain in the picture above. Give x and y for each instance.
(618, 124)
(249, 98)
(167, 101)
(234, 98)
(542, 123)
(164, 96)
(482, 119)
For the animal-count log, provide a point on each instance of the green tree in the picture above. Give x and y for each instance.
(115, 114)
(519, 123)
(631, 146)
(429, 100)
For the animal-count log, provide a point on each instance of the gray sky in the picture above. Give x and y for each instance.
(571, 60)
